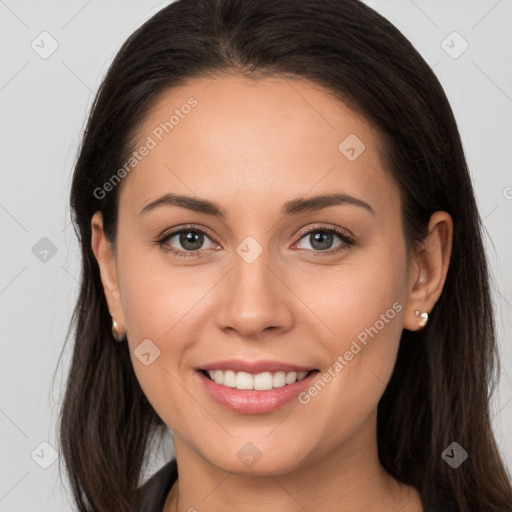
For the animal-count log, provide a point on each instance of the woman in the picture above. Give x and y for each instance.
(278, 227)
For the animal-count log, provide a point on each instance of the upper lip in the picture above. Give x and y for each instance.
(255, 367)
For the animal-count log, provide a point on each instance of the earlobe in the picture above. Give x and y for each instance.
(430, 263)
(105, 257)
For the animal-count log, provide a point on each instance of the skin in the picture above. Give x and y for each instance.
(251, 146)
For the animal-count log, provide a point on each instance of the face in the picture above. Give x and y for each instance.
(268, 275)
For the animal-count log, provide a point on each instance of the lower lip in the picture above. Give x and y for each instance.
(251, 401)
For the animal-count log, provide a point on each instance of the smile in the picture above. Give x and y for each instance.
(260, 381)
(254, 393)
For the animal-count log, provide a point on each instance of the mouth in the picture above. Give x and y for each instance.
(254, 393)
(264, 381)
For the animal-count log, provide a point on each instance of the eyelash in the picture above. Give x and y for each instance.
(347, 240)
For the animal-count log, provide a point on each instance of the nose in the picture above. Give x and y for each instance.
(254, 300)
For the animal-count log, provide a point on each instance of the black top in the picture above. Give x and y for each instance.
(155, 490)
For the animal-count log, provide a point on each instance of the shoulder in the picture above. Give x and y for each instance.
(153, 493)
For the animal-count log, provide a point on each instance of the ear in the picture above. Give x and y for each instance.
(428, 269)
(105, 256)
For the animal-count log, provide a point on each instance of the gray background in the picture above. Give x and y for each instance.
(44, 103)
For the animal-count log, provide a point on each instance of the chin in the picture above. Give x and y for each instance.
(249, 460)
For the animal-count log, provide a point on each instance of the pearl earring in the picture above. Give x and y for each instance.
(423, 316)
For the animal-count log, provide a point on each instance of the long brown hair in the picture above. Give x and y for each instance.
(440, 388)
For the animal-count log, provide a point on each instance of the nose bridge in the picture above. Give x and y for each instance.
(253, 299)
(251, 268)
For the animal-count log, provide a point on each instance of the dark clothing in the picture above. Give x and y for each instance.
(155, 490)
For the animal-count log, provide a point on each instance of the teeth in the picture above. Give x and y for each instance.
(261, 381)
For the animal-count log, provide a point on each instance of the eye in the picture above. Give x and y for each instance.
(321, 239)
(189, 241)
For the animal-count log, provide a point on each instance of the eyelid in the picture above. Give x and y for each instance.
(190, 227)
(321, 227)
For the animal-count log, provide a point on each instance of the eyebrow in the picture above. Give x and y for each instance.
(292, 207)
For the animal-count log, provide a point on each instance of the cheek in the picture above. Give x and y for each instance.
(364, 316)
(156, 296)
(363, 294)
(158, 304)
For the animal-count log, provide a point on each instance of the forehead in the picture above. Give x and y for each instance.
(270, 138)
